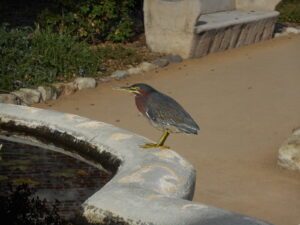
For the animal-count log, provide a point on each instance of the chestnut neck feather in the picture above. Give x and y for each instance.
(140, 101)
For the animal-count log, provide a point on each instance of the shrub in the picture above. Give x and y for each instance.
(41, 57)
(92, 20)
(289, 11)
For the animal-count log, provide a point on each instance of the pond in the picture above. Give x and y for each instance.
(54, 175)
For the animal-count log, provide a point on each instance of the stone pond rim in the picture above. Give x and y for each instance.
(149, 180)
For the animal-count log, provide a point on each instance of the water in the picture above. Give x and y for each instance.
(53, 174)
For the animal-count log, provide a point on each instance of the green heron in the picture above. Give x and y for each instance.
(162, 111)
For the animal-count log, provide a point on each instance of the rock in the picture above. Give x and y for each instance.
(296, 131)
(85, 82)
(47, 93)
(119, 74)
(8, 99)
(289, 153)
(161, 62)
(143, 67)
(173, 58)
(65, 88)
(280, 34)
(135, 70)
(28, 96)
(147, 67)
(292, 30)
(105, 79)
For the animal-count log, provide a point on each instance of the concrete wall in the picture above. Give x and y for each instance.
(257, 4)
(210, 6)
(168, 26)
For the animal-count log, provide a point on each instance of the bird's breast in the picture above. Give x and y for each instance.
(140, 102)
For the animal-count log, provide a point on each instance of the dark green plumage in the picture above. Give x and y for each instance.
(162, 111)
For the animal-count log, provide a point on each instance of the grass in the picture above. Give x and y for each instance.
(40, 57)
(289, 11)
(33, 57)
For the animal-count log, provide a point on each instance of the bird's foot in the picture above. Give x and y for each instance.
(153, 145)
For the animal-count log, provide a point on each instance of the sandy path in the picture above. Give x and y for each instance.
(247, 103)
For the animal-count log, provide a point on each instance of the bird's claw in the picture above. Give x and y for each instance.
(153, 145)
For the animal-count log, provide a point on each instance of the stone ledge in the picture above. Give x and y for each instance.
(149, 187)
(225, 19)
(226, 30)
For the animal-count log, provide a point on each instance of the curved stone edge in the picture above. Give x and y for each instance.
(150, 186)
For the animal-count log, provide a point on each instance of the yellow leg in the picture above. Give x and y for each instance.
(160, 143)
(163, 138)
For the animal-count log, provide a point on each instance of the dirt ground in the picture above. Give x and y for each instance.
(246, 102)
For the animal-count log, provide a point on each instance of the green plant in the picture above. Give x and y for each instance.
(30, 58)
(92, 20)
(289, 11)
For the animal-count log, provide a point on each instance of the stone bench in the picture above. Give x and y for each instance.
(230, 29)
(195, 28)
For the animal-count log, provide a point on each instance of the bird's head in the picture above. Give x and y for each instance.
(137, 89)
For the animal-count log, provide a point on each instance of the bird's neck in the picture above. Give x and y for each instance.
(140, 103)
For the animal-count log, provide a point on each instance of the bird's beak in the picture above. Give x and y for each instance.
(128, 89)
(122, 89)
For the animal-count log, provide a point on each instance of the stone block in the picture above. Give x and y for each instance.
(47, 93)
(65, 88)
(85, 82)
(8, 99)
(120, 74)
(28, 96)
(289, 152)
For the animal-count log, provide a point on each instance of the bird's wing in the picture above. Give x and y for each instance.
(164, 110)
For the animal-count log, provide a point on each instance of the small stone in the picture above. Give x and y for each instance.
(85, 82)
(120, 74)
(289, 153)
(146, 66)
(280, 34)
(296, 131)
(173, 58)
(47, 93)
(65, 88)
(292, 30)
(161, 62)
(105, 79)
(8, 99)
(28, 96)
(134, 70)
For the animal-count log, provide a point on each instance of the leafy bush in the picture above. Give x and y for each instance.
(289, 11)
(91, 20)
(41, 57)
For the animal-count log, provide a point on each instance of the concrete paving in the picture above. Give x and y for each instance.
(246, 102)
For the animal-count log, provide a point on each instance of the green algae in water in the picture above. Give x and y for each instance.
(25, 181)
(16, 162)
(23, 168)
(3, 177)
(69, 173)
